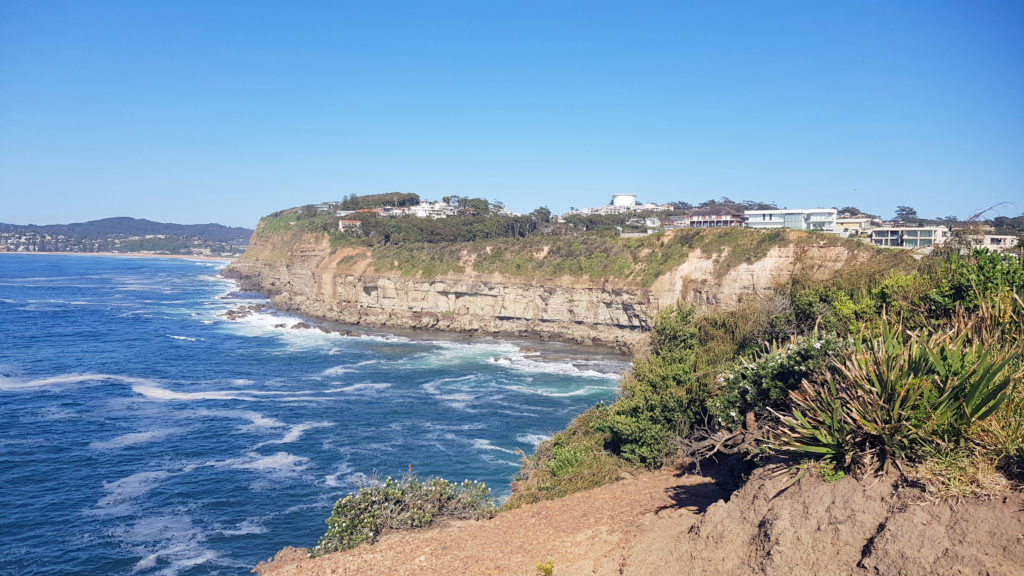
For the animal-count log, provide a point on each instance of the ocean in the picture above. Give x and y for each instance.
(145, 433)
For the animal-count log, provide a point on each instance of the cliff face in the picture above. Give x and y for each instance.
(303, 273)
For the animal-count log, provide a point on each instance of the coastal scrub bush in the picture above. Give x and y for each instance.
(902, 295)
(400, 504)
(765, 381)
(303, 219)
(571, 461)
(898, 396)
(662, 397)
(969, 282)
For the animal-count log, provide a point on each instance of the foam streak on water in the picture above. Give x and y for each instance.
(146, 434)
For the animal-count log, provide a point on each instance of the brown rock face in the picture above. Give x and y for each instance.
(303, 273)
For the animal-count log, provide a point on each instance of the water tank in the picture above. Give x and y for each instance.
(623, 199)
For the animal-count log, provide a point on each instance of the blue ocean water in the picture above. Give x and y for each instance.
(144, 433)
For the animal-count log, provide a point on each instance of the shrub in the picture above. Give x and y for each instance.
(755, 385)
(967, 283)
(572, 461)
(400, 504)
(899, 396)
(662, 397)
(902, 295)
(640, 428)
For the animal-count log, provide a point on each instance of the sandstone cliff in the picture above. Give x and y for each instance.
(357, 285)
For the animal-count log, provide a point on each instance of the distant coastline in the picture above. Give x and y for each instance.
(133, 255)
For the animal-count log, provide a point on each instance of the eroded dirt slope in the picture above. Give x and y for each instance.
(671, 523)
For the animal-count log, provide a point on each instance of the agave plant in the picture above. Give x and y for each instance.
(897, 394)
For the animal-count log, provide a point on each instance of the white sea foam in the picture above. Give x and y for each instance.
(246, 527)
(459, 401)
(337, 479)
(154, 392)
(171, 538)
(278, 325)
(534, 439)
(453, 392)
(385, 338)
(131, 487)
(482, 444)
(296, 432)
(558, 393)
(182, 338)
(134, 438)
(257, 421)
(524, 363)
(337, 371)
(364, 387)
(279, 463)
(61, 381)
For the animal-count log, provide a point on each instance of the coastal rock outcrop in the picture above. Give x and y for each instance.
(302, 272)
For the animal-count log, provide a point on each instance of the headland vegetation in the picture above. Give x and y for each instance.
(798, 402)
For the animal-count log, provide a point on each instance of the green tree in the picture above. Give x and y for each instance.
(906, 214)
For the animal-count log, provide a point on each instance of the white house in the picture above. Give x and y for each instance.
(914, 237)
(802, 219)
(994, 242)
(349, 225)
(431, 210)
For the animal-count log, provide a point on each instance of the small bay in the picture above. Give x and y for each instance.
(145, 433)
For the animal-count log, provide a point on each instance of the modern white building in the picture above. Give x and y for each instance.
(913, 237)
(431, 210)
(803, 219)
(621, 204)
(994, 242)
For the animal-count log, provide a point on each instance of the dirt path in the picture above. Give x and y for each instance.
(667, 523)
(582, 534)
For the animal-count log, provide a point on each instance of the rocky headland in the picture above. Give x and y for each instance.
(364, 286)
(666, 521)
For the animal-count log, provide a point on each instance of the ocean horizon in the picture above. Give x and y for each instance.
(148, 434)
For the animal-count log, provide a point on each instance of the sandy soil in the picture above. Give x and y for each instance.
(670, 523)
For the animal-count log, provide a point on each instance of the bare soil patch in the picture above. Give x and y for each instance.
(669, 522)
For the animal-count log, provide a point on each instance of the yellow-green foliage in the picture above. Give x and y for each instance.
(571, 461)
(304, 220)
(604, 256)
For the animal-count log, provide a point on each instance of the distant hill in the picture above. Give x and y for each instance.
(128, 227)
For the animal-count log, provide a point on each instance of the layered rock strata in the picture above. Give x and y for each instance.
(304, 274)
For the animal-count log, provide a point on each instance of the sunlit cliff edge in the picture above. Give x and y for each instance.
(588, 291)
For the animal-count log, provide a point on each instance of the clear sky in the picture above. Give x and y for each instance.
(223, 111)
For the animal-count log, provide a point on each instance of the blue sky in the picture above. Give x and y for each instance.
(225, 111)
